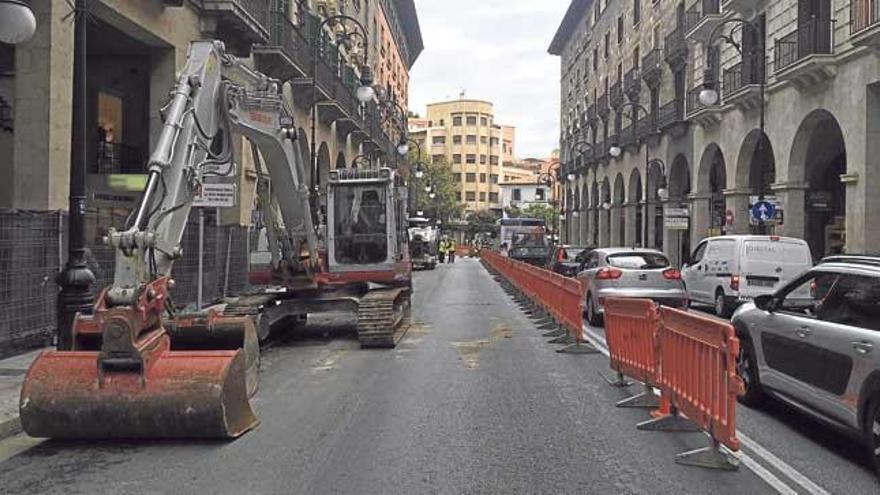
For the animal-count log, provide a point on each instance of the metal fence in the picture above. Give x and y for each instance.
(33, 249)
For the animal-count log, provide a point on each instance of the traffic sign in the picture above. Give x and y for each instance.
(763, 211)
(677, 223)
(676, 212)
(215, 196)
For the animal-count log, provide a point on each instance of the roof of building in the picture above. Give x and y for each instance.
(575, 12)
(409, 19)
(525, 181)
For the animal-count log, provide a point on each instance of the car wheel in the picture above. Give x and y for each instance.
(593, 316)
(872, 432)
(721, 307)
(747, 369)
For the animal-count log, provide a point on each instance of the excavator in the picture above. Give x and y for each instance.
(141, 370)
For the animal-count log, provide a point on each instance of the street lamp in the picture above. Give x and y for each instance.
(17, 22)
(419, 171)
(662, 193)
(615, 150)
(364, 92)
(403, 145)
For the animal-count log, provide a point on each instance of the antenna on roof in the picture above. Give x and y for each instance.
(461, 95)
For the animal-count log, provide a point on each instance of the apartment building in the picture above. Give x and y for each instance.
(789, 121)
(134, 51)
(464, 133)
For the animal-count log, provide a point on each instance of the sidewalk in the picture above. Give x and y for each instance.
(12, 371)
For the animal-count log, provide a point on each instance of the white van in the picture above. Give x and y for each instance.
(730, 270)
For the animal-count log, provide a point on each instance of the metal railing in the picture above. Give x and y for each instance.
(812, 37)
(694, 104)
(863, 14)
(632, 81)
(698, 11)
(670, 113)
(675, 44)
(258, 10)
(119, 158)
(741, 75)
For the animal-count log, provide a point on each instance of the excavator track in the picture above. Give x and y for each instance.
(384, 316)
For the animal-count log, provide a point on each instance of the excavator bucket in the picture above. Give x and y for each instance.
(135, 386)
(212, 331)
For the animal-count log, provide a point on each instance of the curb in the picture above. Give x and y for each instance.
(10, 427)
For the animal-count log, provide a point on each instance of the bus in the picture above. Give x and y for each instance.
(524, 239)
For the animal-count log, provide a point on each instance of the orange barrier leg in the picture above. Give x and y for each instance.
(644, 400)
(671, 421)
(711, 457)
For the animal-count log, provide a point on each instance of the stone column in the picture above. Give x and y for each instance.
(737, 201)
(700, 217)
(631, 235)
(40, 169)
(604, 235)
(793, 196)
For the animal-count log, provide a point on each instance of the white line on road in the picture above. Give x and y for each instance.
(600, 343)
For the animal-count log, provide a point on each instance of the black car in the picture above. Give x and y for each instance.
(567, 259)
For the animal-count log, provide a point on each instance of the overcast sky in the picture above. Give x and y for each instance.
(494, 50)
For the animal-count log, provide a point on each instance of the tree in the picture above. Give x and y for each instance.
(482, 221)
(445, 205)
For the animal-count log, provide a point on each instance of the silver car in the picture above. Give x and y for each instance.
(812, 345)
(629, 272)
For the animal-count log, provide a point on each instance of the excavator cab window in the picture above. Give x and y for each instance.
(361, 225)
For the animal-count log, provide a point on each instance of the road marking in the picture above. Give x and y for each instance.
(793, 474)
(17, 444)
(781, 465)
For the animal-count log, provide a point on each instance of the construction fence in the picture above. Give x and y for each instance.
(33, 249)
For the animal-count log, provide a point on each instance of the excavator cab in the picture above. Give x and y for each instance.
(365, 214)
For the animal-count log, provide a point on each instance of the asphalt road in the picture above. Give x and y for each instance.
(473, 401)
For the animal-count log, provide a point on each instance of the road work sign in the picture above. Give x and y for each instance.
(215, 196)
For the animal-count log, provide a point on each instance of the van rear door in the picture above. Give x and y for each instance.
(796, 259)
(762, 269)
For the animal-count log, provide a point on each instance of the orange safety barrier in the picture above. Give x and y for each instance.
(631, 327)
(697, 373)
(560, 296)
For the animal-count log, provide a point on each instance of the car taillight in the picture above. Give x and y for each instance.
(734, 282)
(672, 274)
(609, 274)
(775, 238)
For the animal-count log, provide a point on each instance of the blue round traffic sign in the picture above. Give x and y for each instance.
(763, 211)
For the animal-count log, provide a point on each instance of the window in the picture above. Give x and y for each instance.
(482, 159)
(471, 139)
(493, 160)
(471, 177)
(620, 30)
(493, 178)
(836, 298)
(470, 159)
(470, 196)
(438, 158)
(456, 177)
(456, 139)
(636, 58)
(439, 140)
(595, 59)
(516, 195)
(456, 158)
(484, 121)
(493, 197)
(504, 148)
(607, 44)
(484, 139)
(539, 194)
(493, 142)
(482, 178)
(442, 123)
(482, 196)
(458, 195)
(637, 11)
(456, 121)
(471, 120)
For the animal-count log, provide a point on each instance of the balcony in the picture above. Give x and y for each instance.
(676, 49)
(628, 137)
(742, 8)
(652, 67)
(632, 85)
(239, 23)
(742, 85)
(616, 98)
(287, 55)
(701, 19)
(864, 21)
(671, 117)
(705, 116)
(806, 56)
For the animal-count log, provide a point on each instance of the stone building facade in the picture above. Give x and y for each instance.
(794, 124)
(136, 48)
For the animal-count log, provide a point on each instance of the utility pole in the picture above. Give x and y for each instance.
(76, 279)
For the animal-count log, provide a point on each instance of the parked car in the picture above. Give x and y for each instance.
(629, 272)
(529, 247)
(815, 344)
(567, 260)
(730, 270)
